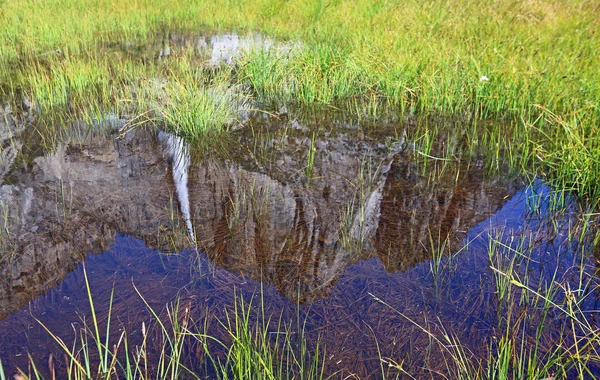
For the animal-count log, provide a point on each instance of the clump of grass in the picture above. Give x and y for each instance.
(310, 157)
(570, 151)
(198, 112)
(357, 214)
(195, 104)
(259, 346)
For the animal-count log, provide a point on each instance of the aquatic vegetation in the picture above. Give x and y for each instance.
(194, 111)
(570, 148)
(310, 157)
(251, 352)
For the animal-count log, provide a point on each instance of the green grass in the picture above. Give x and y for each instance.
(523, 61)
(255, 345)
(194, 105)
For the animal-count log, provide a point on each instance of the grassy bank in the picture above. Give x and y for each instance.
(429, 56)
(534, 62)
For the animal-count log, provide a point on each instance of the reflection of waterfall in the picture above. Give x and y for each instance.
(178, 151)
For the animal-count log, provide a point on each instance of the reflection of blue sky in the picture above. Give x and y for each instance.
(462, 300)
(542, 224)
(538, 228)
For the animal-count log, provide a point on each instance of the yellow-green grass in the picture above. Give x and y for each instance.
(534, 62)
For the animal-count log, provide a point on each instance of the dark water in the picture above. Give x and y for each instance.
(369, 245)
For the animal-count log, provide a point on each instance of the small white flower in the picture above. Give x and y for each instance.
(484, 78)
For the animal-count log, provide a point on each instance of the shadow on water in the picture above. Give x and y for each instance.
(370, 247)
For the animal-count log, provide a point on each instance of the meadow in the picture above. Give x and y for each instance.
(533, 64)
(522, 77)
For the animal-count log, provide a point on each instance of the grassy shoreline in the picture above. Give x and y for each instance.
(533, 62)
(432, 54)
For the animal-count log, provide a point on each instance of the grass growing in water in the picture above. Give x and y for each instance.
(250, 349)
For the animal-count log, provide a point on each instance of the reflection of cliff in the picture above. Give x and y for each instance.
(265, 215)
(71, 202)
(363, 200)
(419, 217)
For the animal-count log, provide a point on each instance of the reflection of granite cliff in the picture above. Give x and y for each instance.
(418, 217)
(259, 215)
(72, 202)
(363, 200)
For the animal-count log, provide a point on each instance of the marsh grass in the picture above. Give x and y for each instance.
(252, 344)
(514, 353)
(195, 104)
(439, 248)
(356, 215)
(571, 149)
(310, 157)
(6, 241)
(532, 63)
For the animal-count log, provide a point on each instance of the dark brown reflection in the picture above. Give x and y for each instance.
(269, 210)
(72, 201)
(420, 217)
(300, 227)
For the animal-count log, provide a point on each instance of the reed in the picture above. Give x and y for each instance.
(251, 351)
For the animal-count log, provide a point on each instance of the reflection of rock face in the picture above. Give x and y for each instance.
(362, 201)
(268, 215)
(71, 203)
(418, 219)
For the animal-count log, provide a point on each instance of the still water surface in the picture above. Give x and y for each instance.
(369, 244)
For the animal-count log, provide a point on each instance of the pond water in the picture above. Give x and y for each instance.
(371, 245)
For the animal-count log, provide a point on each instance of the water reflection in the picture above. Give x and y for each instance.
(257, 213)
(366, 242)
(72, 201)
(225, 47)
(178, 152)
(214, 49)
(363, 200)
(367, 313)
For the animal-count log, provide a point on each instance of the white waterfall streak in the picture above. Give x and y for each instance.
(179, 154)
